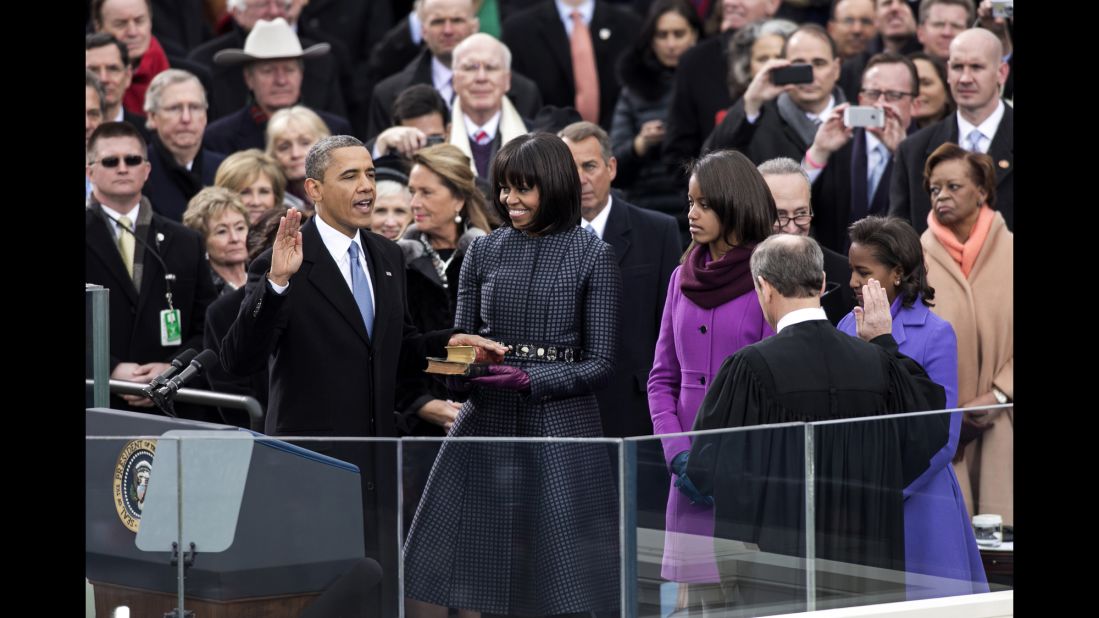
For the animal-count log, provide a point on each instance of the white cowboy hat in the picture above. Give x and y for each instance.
(267, 41)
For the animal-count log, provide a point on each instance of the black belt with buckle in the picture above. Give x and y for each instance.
(542, 352)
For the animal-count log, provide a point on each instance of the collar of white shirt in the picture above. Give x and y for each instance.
(337, 243)
(823, 115)
(489, 127)
(599, 223)
(441, 76)
(800, 315)
(114, 215)
(872, 142)
(587, 9)
(987, 128)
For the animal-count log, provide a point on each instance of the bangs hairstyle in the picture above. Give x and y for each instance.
(895, 244)
(544, 162)
(736, 192)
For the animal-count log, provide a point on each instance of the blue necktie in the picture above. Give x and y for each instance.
(875, 171)
(360, 288)
(974, 140)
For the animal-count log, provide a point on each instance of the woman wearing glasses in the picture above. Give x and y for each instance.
(937, 536)
(710, 313)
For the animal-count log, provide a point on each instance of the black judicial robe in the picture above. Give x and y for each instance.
(812, 372)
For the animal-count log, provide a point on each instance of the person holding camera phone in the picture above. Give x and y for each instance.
(779, 113)
(851, 160)
(420, 119)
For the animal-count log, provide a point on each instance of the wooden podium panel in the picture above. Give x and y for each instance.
(153, 604)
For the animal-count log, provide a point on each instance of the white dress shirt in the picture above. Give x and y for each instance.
(338, 245)
(800, 315)
(587, 9)
(599, 223)
(987, 128)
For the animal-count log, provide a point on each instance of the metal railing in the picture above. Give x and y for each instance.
(194, 395)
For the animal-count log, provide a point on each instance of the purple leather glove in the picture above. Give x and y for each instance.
(505, 377)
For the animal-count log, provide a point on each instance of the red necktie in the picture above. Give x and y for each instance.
(584, 75)
(481, 137)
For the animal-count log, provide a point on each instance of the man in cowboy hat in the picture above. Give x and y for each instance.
(323, 86)
(274, 68)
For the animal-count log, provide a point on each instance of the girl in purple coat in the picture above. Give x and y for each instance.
(710, 313)
(938, 540)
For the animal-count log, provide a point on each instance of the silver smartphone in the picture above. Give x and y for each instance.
(864, 116)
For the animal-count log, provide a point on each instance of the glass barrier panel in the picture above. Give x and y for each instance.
(724, 533)
(511, 526)
(97, 345)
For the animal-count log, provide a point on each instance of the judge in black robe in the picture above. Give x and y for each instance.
(811, 372)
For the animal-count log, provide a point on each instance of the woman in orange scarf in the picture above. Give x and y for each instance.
(970, 256)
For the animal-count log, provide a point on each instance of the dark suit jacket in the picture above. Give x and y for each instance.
(839, 298)
(646, 244)
(219, 317)
(909, 201)
(393, 52)
(135, 318)
(179, 23)
(839, 194)
(171, 186)
(320, 88)
(699, 92)
(531, 32)
(239, 131)
(326, 376)
(524, 93)
(138, 122)
(768, 138)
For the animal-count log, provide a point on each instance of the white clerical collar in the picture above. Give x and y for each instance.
(489, 127)
(599, 223)
(987, 128)
(798, 316)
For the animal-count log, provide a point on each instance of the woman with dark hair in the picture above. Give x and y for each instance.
(750, 48)
(448, 213)
(535, 523)
(646, 71)
(970, 259)
(711, 312)
(934, 101)
(938, 539)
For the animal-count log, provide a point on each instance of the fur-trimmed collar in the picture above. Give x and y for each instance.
(412, 247)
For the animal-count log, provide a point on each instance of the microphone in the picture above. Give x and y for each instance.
(205, 358)
(179, 362)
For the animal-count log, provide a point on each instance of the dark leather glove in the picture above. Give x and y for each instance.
(504, 377)
(457, 384)
(683, 482)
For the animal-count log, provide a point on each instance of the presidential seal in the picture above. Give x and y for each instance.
(131, 480)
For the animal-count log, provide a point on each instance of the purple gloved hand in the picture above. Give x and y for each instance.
(504, 377)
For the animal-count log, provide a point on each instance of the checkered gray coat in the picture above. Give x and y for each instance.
(527, 528)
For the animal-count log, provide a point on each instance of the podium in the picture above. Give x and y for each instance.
(273, 525)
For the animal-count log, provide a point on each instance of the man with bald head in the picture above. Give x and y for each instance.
(444, 24)
(983, 123)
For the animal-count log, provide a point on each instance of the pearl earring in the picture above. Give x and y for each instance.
(457, 218)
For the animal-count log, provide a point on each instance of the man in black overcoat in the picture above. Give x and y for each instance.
(335, 351)
(810, 372)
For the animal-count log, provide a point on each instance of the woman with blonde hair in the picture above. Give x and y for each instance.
(256, 177)
(448, 213)
(291, 132)
(220, 216)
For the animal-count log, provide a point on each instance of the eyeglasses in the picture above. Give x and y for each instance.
(177, 109)
(890, 95)
(475, 67)
(130, 160)
(801, 220)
